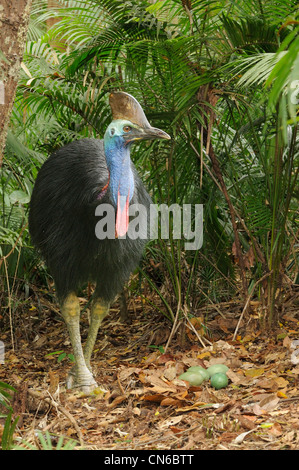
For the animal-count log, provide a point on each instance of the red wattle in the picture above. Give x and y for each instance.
(122, 217)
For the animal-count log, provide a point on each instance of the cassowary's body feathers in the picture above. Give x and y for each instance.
(62, 221)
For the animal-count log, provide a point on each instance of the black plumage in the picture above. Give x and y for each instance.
(62, 221)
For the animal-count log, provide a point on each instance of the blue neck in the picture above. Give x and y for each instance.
(119, 166)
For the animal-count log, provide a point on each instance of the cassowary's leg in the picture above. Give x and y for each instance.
(98, 312)
(80, 376)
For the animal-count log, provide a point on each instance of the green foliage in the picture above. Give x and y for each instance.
(8, 431)
(47, 441)
(5, 395)
(9, 424)
(61, 355)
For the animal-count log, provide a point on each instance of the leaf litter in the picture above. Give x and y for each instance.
(141, 402)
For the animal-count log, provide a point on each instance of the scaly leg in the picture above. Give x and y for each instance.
(99, 311)
(80, 376)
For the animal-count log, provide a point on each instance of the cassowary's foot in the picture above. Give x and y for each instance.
(81, 377)
(81, 380)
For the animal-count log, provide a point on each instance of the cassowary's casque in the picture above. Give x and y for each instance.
(68, 189)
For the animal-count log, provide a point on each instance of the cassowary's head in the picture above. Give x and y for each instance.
(130, 132)
(129, 121)
(129, 125)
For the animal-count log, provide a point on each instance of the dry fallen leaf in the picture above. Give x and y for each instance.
(240, 438)
(235, 378)
(158, 397)
(254, 372)
(269, 403)
(275, 430)
(117, 401)
(281, 382)
(171, 422)
(170, 402)
(170, 373)
(127, 372)
(257, 410)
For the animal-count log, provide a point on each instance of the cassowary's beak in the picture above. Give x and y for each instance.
(154, 133)
(147, 133)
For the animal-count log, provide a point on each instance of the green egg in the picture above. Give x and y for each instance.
(200, 370)
(194, 378)
(222, 368)
(219, 380)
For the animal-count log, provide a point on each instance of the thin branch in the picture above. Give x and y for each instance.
(200, 339)
(248, 300)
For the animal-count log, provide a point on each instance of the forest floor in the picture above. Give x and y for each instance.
(143, 404)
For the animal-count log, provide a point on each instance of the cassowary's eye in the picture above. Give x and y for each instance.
(127, 128)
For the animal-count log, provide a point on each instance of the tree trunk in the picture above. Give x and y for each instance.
(53, 5)
(14, 19)
(57, 43)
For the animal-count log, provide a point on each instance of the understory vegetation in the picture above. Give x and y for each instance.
(222, 79)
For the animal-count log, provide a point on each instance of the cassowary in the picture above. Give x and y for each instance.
(69, 187)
